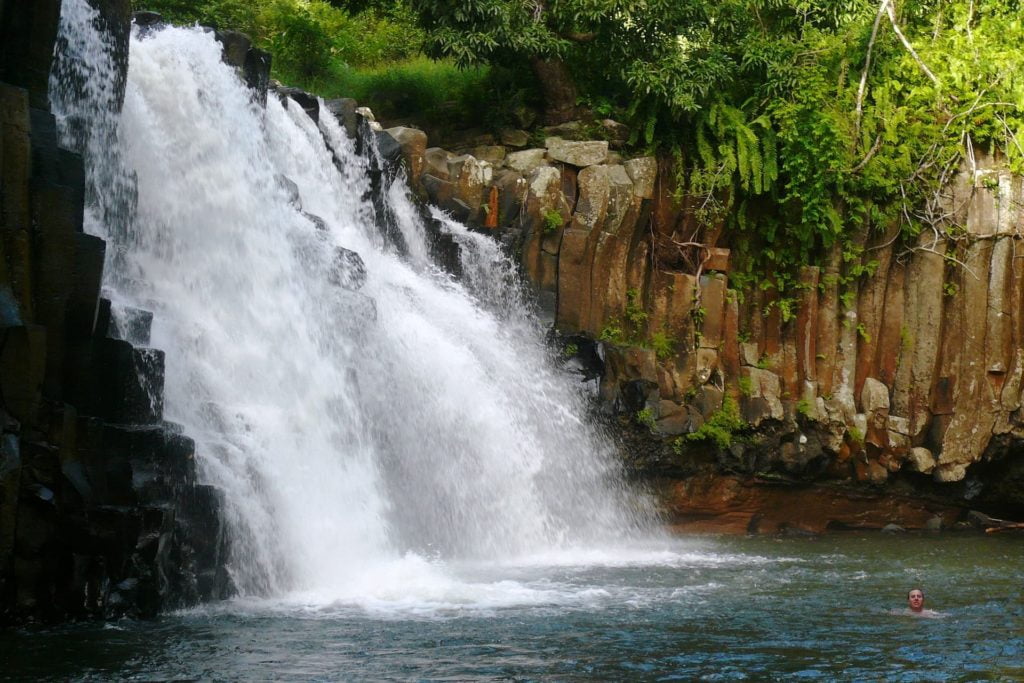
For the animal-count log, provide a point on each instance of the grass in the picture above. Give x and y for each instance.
(417, 85)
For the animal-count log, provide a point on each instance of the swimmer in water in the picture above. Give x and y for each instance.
(915, 600)
(915, 604)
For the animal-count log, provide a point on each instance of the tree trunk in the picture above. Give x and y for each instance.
(558, 88)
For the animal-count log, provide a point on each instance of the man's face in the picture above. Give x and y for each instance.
(916, 600)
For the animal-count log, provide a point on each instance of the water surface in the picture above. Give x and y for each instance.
(698, 609)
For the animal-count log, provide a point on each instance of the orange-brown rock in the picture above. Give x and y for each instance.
(734, 505)
(712, 302)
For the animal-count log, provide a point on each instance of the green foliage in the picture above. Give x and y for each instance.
(645, 417)
(635, 313)
(552, 221)
(435, 91)
(613, 333)
(313, 42)
(856, 436)
(804, 407)
(698, 313)
(721, 426)
(630, 330)
(746, 386)
(790, 122)
(570, 350)
(664, 346)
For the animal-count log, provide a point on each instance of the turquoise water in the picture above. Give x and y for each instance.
(711, 609)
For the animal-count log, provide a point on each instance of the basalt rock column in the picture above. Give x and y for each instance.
(100, 514)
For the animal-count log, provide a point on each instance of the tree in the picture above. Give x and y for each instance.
(660, 46)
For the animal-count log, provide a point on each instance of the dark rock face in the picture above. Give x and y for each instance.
(344, 109)
(100, 512)
(252, 63)
(308, 102)
(27, 33)
(147, 20)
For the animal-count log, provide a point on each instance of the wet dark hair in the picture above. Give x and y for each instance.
(915, 589)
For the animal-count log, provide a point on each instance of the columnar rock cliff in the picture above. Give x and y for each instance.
(100, 513)
(906, 378)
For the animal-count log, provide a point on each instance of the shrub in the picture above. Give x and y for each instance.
(664, 346)
(721, 426)
(552, 221)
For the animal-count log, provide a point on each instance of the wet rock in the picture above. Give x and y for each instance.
(308, 102)
(347, 269)
(685, 420)
(440, 191)
(234, 47)
(389, 149)
(893, 529)
(793, 531)
(511, 191)
(413, 144)
(319, 224)
(147, 19)
(344, 110)
(291, 190)
(132, 325)
(436, 163)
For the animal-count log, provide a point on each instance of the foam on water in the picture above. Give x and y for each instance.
(369, 443)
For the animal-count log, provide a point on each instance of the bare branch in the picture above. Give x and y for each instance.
(910, 48)
(867, 157)
(867, 63)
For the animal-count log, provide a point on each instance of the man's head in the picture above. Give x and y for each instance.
(915, 598)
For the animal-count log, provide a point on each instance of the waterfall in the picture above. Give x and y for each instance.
(370, 419)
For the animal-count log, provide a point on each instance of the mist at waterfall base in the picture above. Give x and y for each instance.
(411, 489)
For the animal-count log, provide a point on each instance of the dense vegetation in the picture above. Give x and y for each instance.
(803, 124)
(371, 51)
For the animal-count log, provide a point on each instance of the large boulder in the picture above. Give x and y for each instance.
(435, 162)
(579, 154)
(344, 110)
(642, 171)
(347, 269)
(526, 160)
(413, 143)
(470, 176)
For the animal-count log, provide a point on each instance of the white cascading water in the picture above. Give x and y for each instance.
(367, 441)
